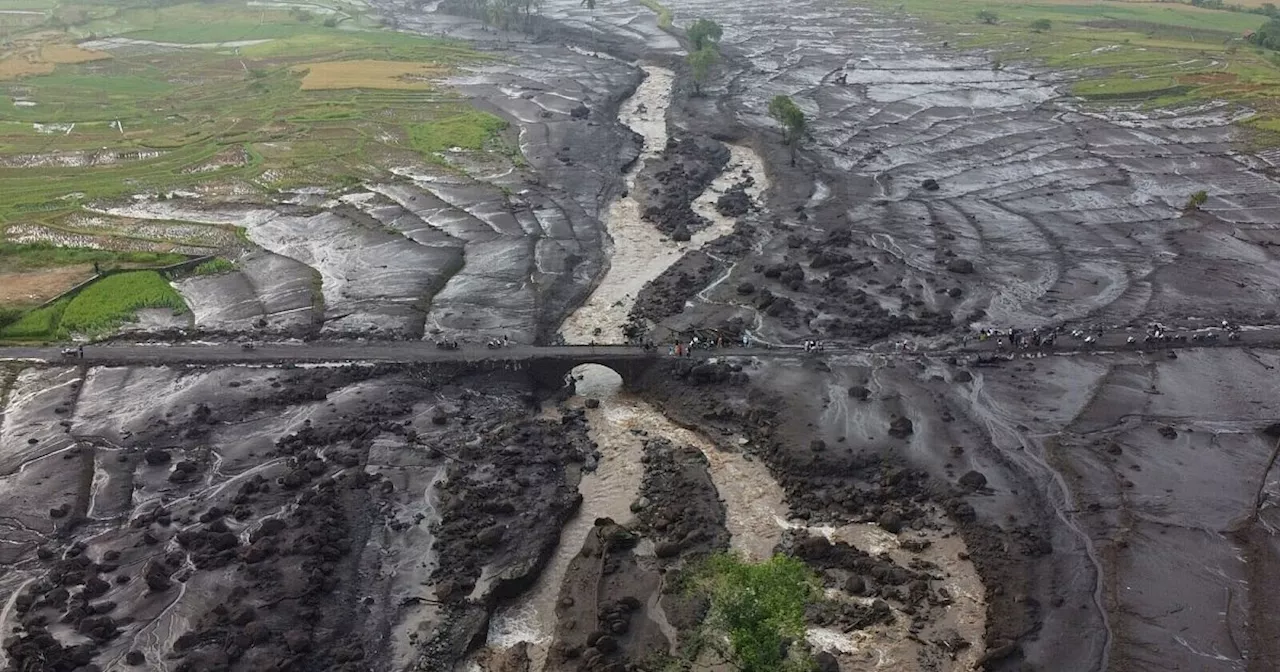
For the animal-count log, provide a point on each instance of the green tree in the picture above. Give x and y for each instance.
(703, 33)
(987, 16)
(1268, 36)
(757, 611)
(1041, 25)
(791, 117)
(701, 62)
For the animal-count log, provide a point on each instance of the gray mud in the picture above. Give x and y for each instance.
(1073, 511)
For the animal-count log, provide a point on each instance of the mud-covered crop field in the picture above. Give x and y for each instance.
(1093, 491)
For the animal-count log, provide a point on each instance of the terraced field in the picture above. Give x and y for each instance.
(1148, 55)
(223, 102)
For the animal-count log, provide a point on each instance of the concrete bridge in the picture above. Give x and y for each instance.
(548, 365)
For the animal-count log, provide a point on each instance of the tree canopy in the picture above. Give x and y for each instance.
(700, 62)
(757, 611)
(786, 112)
(1268, 36)
(703, 32)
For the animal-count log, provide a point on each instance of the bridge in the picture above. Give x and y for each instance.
(548, 364)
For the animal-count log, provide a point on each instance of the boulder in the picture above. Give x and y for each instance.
(157, 456)
(959, 265)
(891, 522)
(900, 427)
(973, 480)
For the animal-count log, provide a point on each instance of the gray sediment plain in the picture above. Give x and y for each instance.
(1077, 511)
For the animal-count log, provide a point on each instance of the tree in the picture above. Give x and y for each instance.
(785, 112)
(1268, 36)
(987, 16)
(757, 611)
(1041, 25)
(703, 33)
(701, 62)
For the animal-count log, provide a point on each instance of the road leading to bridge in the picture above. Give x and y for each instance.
(418, 351)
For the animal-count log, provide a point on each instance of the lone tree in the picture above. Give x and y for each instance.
(987, 16)
(703, 33)
(701, 62)
(757, 611)
(1041, 25)
(785, 112)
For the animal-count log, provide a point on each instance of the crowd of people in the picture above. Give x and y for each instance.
(1154, 334)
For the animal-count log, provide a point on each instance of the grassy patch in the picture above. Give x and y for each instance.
(38, 324)
(113, 300)
(214, 267)
(471, 129)
(17, 258)
(1162, 53)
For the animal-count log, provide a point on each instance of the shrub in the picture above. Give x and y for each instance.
(1041, 25)
(756, 610)
(987, 16)
(213, 267)
(1197, 199)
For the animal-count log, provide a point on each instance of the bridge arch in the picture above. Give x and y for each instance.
(551, 372)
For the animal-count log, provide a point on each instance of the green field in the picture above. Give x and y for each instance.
(214, 267)
(128, 116)
(175, 115)
(1156, 53)
(98, 309)
(471, 129)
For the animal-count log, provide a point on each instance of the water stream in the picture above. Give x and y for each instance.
(756, 513)
(638, 252)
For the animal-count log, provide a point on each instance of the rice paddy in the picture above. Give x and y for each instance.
(102, 102)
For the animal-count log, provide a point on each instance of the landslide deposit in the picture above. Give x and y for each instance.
(1085, 508)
